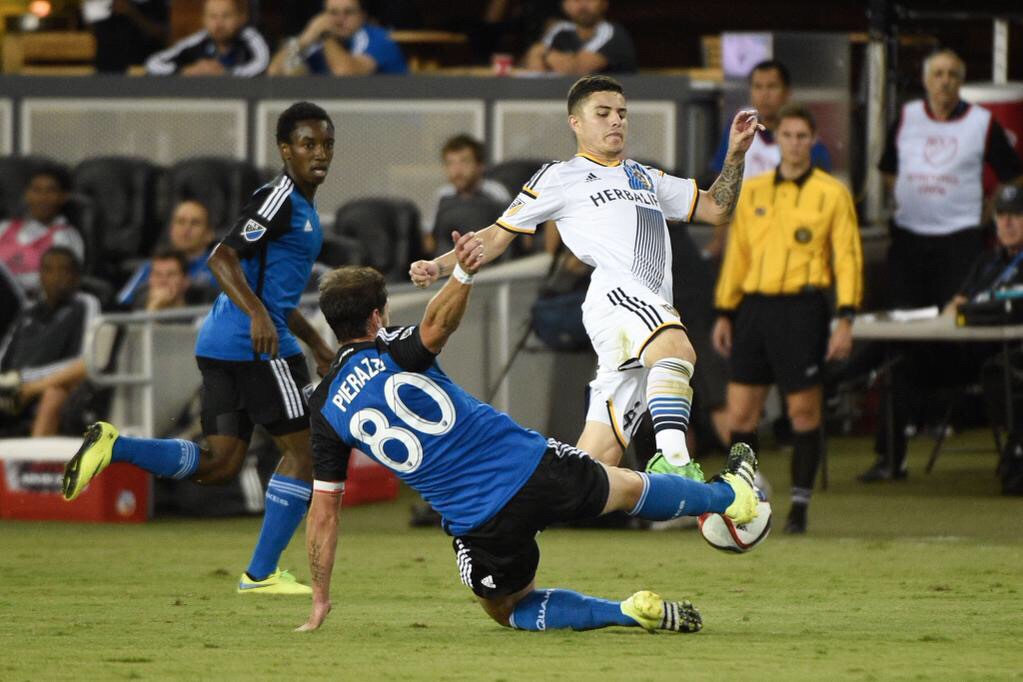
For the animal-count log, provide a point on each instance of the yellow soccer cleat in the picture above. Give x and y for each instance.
(653, 613)
(740, 472)
(92, 458)
(278, 582)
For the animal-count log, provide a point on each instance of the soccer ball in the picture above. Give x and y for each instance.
(721, 533)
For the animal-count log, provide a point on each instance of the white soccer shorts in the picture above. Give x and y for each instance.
(621, 323)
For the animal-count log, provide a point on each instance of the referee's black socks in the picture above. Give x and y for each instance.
(748, 437)
(806, 458)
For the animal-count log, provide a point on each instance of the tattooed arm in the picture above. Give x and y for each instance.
(321, 544)
(717, 203)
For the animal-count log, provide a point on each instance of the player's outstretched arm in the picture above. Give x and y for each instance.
(301, 328)
(226, 267)
(321, 545)
(444, 312)
(717, 203)
(425, 272)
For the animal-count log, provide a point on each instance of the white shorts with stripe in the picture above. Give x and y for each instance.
(621, 323)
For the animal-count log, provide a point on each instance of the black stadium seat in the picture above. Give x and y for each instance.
(80, 211)
(513, 174)
(474, 213)
(222, 184)
(388, 230)
(123, 190)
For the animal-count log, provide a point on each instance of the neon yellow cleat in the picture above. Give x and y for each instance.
(659, 464)
(278, 582)
(92, 458)
(653, 613)
(740, 472)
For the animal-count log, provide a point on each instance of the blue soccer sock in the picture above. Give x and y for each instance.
(555, 609)
(287, 500)
(160, 456)
(668, 496)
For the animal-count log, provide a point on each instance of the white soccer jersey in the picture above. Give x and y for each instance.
(612, 217)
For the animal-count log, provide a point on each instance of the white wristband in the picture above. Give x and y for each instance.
(461, 275)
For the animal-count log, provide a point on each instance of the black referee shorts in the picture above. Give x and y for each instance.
(780, 340)
(500, 557)
(238, 394)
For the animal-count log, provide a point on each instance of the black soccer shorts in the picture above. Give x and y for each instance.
(780, 339)
(238, 394)
(500, 557)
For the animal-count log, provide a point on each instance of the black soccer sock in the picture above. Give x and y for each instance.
(806, 458)
(748, 437)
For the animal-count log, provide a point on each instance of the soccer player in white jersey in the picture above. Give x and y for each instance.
(611, 212)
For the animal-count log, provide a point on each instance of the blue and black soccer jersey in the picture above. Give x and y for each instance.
(389, 399)
(277, 238)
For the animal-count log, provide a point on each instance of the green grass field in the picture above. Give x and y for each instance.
(915, 580)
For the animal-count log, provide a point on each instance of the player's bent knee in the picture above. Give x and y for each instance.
(499, 610)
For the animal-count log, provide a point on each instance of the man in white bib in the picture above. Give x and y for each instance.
(934, 162)
(611, 212)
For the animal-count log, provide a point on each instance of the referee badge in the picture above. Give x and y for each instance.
(803, 235)
(253, 231)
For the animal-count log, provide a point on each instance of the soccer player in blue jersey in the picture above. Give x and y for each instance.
(495, 483)
(253, 370)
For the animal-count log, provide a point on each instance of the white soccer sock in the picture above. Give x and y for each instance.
(669, 398)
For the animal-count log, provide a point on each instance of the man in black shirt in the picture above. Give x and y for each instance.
(42, 362)
(585, 44)
(224, 46)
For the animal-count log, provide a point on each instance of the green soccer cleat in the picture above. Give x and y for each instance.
(92, 458)
(659, 464)
(278, 582)
(740, 472)
(653, 613)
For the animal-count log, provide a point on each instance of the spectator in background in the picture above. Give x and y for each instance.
(24, 240)
(168, 281)
(463, 158)
(224, 46)
(338, 41)
(586, 43)
(934, 161)
(43, 361)
(191, 235)
(126, 33)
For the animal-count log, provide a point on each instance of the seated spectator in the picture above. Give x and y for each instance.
(191, 235)
(338, 41)
(997, 268)
(24, 240)
(463, 158)
(168, 281)
(43, 361)
(128, 32)
(224, 46)
(585, 44)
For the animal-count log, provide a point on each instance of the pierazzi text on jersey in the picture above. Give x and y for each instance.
(609, 195)
(350, 386)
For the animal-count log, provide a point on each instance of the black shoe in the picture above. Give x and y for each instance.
(882, 472)
(424, 516)
(796, 523)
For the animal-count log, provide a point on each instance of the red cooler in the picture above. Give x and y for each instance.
(1005, 102)
(30, 485)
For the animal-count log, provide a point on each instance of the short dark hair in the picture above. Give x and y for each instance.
(72, 257)
(293, 115)
(793, 110)
(463, 141)
(168, 253)
(587, 85)
(348, 296)
(773, 65)
(59, 173)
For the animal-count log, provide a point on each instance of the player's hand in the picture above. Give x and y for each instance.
(721, 336)
(323, 358)
(840, 343)
(263, 334)
(316, 617)
(740, 136)
(468, 251)
(424, 273)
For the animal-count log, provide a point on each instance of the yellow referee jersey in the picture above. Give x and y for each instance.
(791, 236)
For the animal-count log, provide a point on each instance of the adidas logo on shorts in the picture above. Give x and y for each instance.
(488, 582)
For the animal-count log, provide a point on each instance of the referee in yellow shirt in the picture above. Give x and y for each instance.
(793, 234)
